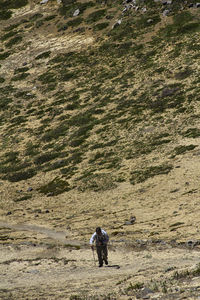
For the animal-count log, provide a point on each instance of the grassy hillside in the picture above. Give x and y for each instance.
(91, 108)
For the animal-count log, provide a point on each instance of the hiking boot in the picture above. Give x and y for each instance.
(100, 265)
(106, 262)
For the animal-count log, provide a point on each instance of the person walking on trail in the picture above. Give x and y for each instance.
(101, 238)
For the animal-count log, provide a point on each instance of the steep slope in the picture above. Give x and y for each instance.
(99, 122)
(100, 116)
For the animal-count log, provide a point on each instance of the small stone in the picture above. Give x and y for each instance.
(131, 221)
(9, 213)
(76, 13)
(117, 24)
(29, 189)
(192, 243)
(166, 12)
(47, 211)
(50, 194)
(127, 223)
(44, 1)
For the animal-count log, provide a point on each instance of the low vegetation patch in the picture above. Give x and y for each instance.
(55, 187)
(182, 149)
(43, 55)
(138, 176)
(96, 182)
(18, 176)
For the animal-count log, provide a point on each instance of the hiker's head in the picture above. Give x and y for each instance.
(98, 230)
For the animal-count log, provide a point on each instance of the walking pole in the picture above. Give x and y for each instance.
(94, 257)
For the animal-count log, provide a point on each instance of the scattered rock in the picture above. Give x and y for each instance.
(167, 92)
(192, 243)
(50, 194)
(29, 189)
(117, 24)
(131, 221)
(166, 12)
(149, 21)
(76, 13)
(44, 1)
(144, 293)
(33, 271)
(191, 5)
(79, 29)
(9, 213)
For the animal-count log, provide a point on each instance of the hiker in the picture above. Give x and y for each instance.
(101, 238)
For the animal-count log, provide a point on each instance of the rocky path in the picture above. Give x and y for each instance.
(65, 269)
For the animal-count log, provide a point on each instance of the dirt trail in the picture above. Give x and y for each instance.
(59, 236)
(57, 271)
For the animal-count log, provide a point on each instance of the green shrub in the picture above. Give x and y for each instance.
(41, 159)
(43, 55)
(4, 55)
(66, 76)
(96, 16)
(4, 103)
(49, 18)
(96, 182)
(31, 149)
(23, 198)
(47, 77)
(36, 16)
(13, 4)
(11, 156)
(18, 176)
(17, 39)
(55, 187)
(138, 176)
(77, 142)
(101, 26)
(182, 149)
(68, 7)
(68, 172)
(5, 14)
(21, 70)
(75, 22)
(192, 133)
(57, 165)
(8, 35)
(55, 133)
(20, 76)
(18, 120)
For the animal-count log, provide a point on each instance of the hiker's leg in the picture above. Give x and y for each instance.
(105, 253)
(99, 253)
